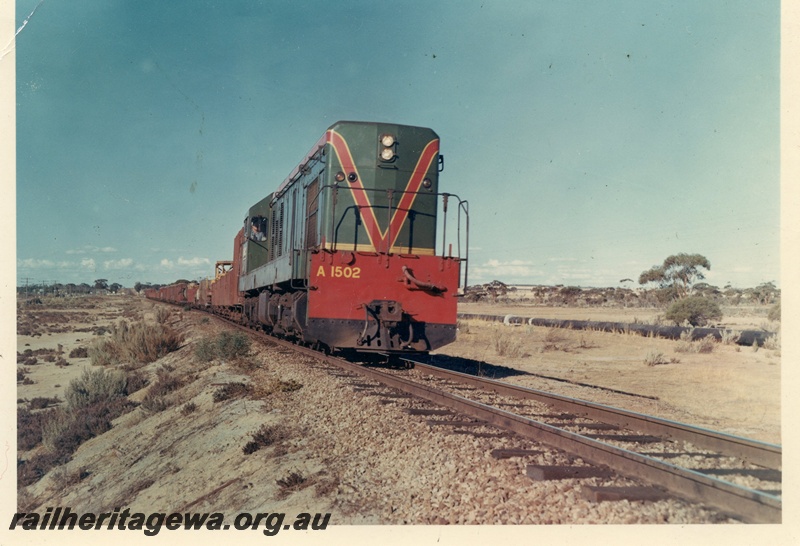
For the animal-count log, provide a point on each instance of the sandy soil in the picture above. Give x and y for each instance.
(190, 455)
(732, 388)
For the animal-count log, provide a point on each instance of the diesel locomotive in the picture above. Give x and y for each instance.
(351, 252)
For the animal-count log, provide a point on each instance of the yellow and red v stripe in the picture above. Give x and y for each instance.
(377, 236)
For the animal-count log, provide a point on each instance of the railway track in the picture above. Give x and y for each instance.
(736, 475)
(739, 477)
(633, 445)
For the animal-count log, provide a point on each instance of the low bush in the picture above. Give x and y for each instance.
(41, 402)
(267, 435)
(226, 345)
(32, 470)
(706, 344)
(703, 345)
(555, 340)
(65, 430)
(231, 390)
(205, 350)
(293, 482)
(773, 342)
(655, 358)
(506, 345)
(79, 352)
(94, 387)
(93, 401)
(137, 342)
(162, 315)
(157, 397)
(29, 428)
(696, 310)
(136, 381)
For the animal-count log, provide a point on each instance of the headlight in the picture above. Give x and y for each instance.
(387, 154)
(387, 140)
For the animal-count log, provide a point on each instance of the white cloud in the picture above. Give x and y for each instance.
(193, 261)
(33, 263)
(118, 264)
(185, 262)
(89, 264)
(515, 270)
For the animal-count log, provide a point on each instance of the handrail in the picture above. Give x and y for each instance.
(423, 285)
(462, 209)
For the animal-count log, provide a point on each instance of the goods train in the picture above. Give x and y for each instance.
(351, 251)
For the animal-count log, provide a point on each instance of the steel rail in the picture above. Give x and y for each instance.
(742, 502)
(753, 451)
(748, 504)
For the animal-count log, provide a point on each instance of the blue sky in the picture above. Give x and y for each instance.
(592, 139)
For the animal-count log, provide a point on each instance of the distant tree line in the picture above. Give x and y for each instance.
(100, 286)
(676, 285)
(561, 295)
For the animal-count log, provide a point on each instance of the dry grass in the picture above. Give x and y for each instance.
(231, 390)
(139, 341)
(702, 346)
(293, 482)
(506, 344)
(655, 358)
(275, 385)
(773, 342)
(227, 345)
(614, 360)
(93, 401)
(158, 397)
(266, 436)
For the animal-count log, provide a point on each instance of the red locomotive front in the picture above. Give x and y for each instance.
(344, 253)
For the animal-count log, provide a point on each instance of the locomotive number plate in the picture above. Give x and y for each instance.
(338, 271)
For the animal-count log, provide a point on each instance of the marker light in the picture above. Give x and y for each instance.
(340, 176)
(427, 182)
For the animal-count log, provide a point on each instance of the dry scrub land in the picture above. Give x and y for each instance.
(266, 430)
(722, 386)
